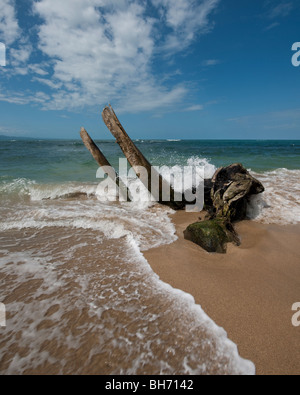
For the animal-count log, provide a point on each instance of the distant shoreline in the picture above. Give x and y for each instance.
(175, 140)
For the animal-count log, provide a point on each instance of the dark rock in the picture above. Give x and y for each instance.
(212, 235)
(207, 192)
(232, 187)
(226, 199)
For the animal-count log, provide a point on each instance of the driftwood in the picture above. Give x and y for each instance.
(137, 160)
(95, 151)
(225, 196)
(231, 189)
(103, 162)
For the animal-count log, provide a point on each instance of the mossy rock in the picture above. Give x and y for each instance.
(212, 235)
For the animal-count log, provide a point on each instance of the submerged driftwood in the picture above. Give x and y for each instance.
(226, 195)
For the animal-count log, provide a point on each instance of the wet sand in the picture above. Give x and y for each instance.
(249, 291)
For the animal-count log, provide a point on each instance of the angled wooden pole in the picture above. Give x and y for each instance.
(132, 153)
(137, 160)
(103, 162)
(94, 150)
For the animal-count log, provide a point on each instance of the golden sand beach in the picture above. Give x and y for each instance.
(249, 291)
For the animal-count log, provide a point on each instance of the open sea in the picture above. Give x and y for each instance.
(80, 297)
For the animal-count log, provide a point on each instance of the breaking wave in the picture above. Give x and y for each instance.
(279, 204)
(79, 257)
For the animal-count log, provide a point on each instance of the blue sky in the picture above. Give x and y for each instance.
(194, 69)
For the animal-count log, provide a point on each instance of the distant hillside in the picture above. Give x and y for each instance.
(7, 138)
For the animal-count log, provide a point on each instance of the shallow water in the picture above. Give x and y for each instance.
(79, 294)
(81, 298)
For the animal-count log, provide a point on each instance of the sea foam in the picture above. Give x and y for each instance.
(96, 299)
(279, 204)
(80, 257)
(84, 258)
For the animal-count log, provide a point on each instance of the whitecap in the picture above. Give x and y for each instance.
(279, 204)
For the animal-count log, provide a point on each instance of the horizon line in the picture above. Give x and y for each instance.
(141, 139)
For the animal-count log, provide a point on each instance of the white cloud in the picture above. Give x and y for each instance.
(20, 55)
(51, 84)
(19, 58)
(9, 27)
(147, 97)
(186, 18)
(38, 69)
(18, 47)
(21, 99)
(100, 51)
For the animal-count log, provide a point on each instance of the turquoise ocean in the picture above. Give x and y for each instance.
(80, 297)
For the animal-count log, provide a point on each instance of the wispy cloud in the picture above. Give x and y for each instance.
(102, 51)
(277, 120)
(210, 62)
(284, 126)
(22, 99)
(12, 132)
(39, 69)
(197, 107)
(280, 10)
(272, 26)
(275, 11)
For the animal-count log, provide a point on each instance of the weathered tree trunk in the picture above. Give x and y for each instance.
(225, 196)
(103, 162)
(137, 160)
(94, 150)
(231, 188)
